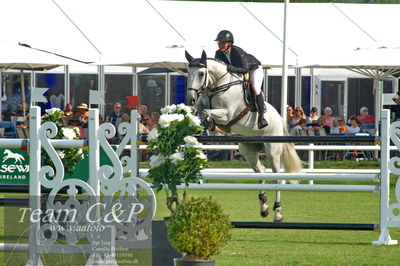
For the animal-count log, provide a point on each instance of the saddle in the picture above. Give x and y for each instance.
(248, 93)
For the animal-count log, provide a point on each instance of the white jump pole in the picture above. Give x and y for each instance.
(384, 237)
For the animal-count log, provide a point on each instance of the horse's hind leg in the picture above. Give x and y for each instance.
(274, 151)
(250, 152)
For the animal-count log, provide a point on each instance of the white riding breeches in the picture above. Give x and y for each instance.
(256, 79)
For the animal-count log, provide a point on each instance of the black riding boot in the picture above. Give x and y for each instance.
(261, 108)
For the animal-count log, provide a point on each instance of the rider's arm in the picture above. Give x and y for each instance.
(239, 61)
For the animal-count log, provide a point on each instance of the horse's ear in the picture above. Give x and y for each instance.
(203, 58)
(188, 56)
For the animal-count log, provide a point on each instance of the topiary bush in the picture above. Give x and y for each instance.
(199, 228)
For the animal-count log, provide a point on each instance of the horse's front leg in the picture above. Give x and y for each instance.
(220, 116)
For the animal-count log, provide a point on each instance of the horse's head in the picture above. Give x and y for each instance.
(197, 77)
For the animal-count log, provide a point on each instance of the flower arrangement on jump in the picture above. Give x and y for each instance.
(178, 156)
(70, 157)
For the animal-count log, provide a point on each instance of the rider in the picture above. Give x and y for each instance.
(239, 61)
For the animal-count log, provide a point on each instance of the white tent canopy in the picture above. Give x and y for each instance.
(137, 32)
(14, 56)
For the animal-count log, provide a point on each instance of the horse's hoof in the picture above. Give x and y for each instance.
(264, 212)
(278, 219)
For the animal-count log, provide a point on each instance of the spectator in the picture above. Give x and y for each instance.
(364, 117)
(146, 122)
(289, 115)
(125, 118)
(115, 116)
(298, 114)
(154, 119)
(321, 122)
(300, 126)
(316, 129)
(355, 125)
(75, 122)
(83, 114)
(328, 117)
(20, 110)
(8, 113)
(341, 128)
(313, 115)
(69, 111)
(143, 109)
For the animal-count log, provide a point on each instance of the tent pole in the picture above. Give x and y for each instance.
(23, 92)
(284, 64)
(378, 103)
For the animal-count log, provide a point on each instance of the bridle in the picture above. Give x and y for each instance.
(213, 90)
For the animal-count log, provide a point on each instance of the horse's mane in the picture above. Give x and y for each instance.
(224, 64)
(217, 60)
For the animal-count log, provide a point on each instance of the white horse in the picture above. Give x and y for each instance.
(217, 96)
(10, 155)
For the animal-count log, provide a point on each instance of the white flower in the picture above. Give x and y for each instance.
(81, 154)
(166, 119)
(61, 154)
(156, 160)
(193, 120)
(176, 157)
(190, 141)
(201, 155)
(168, 109)
(68, 133)
(184, 107)
(53, 110)
(153, 135)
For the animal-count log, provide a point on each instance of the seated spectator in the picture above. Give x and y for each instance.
(83, 114)
(75, 122)
(298, 114)
(8, 113)
(322, 124)
(289, 116)
(300, 126)
(125, 118)
(364, 117)
(328, 117)
(115, 116)
(68, 111)
(316, 130)
(20, 110)
(341, 128)
(355, 125)
(143, 109)
(146, 122)
(154, 119)
(143, 129)
(313, 115)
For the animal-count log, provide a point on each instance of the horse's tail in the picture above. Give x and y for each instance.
(290, 158)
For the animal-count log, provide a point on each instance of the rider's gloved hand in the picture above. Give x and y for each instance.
(229, 68)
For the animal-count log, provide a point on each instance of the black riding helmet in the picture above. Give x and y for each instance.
(224, 36)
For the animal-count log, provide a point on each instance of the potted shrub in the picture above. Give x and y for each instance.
(199, 229)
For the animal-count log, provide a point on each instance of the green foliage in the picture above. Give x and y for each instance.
(70, 157)
(178, 156)
(199, 228)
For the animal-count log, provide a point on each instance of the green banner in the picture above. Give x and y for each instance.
(15, 166)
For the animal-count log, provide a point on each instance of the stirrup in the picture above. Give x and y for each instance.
(262, 123)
